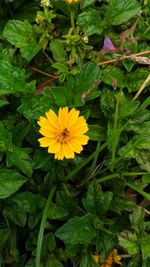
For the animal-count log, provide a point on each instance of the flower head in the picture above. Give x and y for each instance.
(72, 1)
(64, 135)
(113, 257)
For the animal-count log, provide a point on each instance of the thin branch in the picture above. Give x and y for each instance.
(142, 87)
(123, 58)
(45, 73)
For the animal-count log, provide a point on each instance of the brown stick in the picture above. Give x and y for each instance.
(45, 73)
(142, 87)
(123, 58)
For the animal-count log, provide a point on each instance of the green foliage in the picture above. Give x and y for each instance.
(93, 56)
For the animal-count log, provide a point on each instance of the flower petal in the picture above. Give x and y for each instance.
(44, 141)
(72, 117)
(54, 148)
(52, 117)
(63, 116)
(81, 139)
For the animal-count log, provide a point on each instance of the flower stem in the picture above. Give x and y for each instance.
(72, 20)
(42, 226)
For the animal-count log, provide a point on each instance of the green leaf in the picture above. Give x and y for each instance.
(145, 246)
(16, 214)
(87, 79)
(135, 79)
(53, 262)
(58, 51)
(90, 22)
(13, 80)
(5, 139)
(20, 34)
(60, 95)
(56, 213)
(115, 75)
(96, 201)
(4, 236)
(129, 242)
(121, 11)
(85, 3)
(96, 133)
(27, 201)
(17, 156)
(10, 182)
(78, 230)
(3, 102)
(87, 261)
(34, 107)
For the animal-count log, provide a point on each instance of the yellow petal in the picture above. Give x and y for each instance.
(72, 117)
(81, 139)
(60, 154)
(47, 132)
(75, 147)
(43, 122)
(52, 117)
(63, 116)
(54, 148)
(44, 141)
(68, 152)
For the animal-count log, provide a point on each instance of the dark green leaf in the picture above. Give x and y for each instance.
(13, 80)
(27, 201)
(16, 214)
(10, 182)
(96, 201)
(17, 156)
(56, 213)
(121, 11)
(96, 133)
(20, 34)
(78, 230)
(5, 139)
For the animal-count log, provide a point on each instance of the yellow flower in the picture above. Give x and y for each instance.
(63, 134)
(113, 257)
(72, 1)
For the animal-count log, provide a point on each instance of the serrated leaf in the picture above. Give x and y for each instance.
(145, 246)
(13, 80)
(10, 182)
(90, 22)
(17, 156)
(33, 108)
(78, 230)
(129, 242)
(121, 11)
(20, 34)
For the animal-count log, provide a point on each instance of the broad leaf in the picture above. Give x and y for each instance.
(10, 182)
(90, 22)
(121, 11)
(20, 34)
(18, 157)
(78, 230)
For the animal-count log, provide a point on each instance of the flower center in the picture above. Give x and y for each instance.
(63, 136)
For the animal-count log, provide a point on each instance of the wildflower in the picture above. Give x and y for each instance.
(45, 3)
(63, 134)
(114, 257)
(72, 1)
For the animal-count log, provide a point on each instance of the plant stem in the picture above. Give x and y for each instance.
(141, 192)
(78, 168)
(72, 20)
(42, 226)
